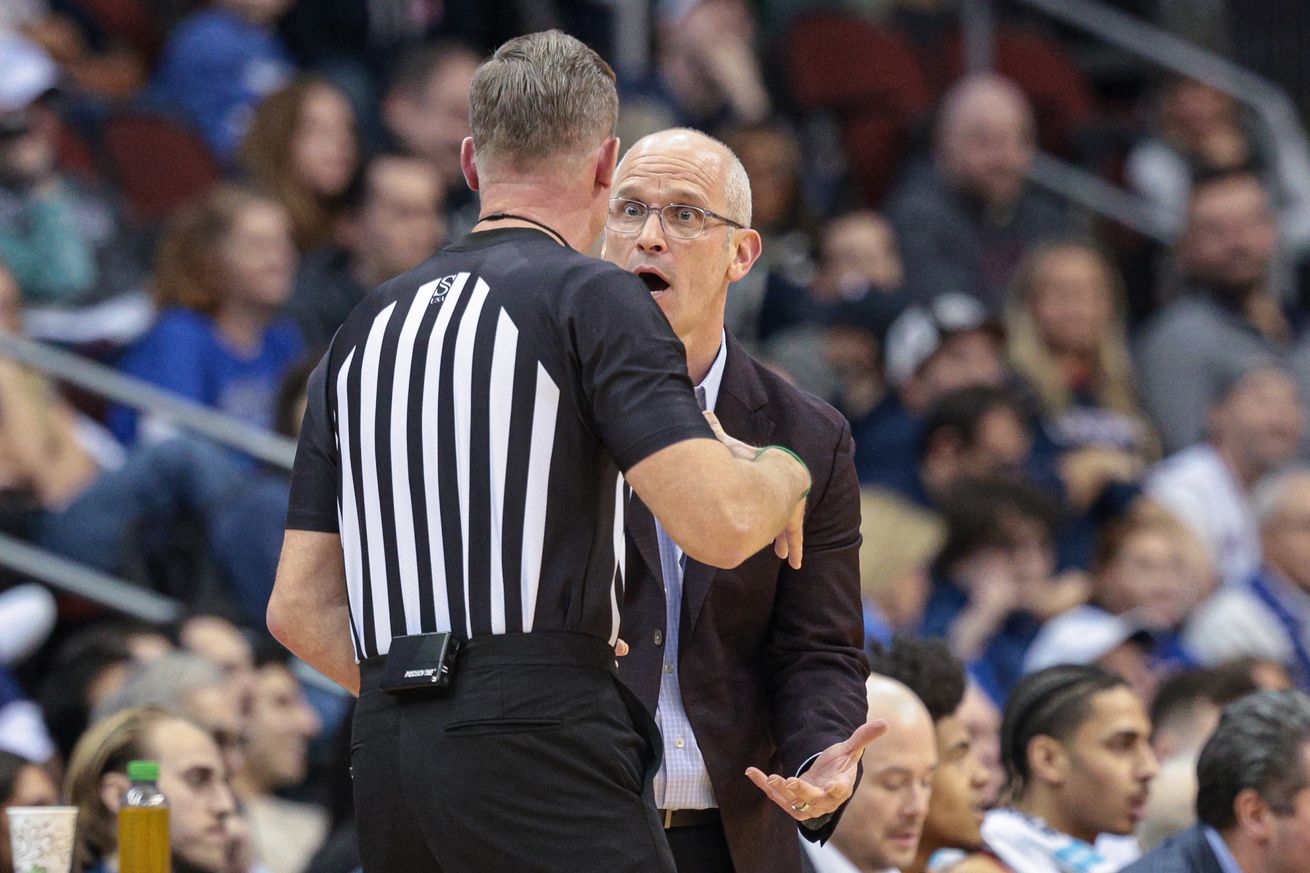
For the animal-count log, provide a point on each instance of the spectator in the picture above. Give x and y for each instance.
(219, 63)
(1202, 130)
(1078, 763)
(1265, 615)
(955, 812)
(1067, 338)
(189, 686)
(772, 298)
(66, 485)
(707, 62)
(190, 776)
(225, 271)
(1256, 423)
(1188, 705)
(930, 352)
(995, 582)
(22, 783)
(222, 644)
(89, 667)
(1141, 593)
(855, 297)
(392, 222)
(285, 833)
(881, 825)
(1228, 313)
(966, 221)
(302, 147)
(982, 719)
(65, 243)
(1252, 793)
(426, 109)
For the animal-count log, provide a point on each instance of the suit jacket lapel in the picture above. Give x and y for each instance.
(741, 410)
(641, 528)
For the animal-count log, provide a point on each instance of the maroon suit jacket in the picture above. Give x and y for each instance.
(771, 660)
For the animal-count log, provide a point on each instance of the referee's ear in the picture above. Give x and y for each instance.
(468, 162)
(607, 161)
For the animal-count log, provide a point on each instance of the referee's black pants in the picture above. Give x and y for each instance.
(535, 758)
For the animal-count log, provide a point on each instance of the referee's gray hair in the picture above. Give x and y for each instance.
(164, 682)
(1270, 493)
(539, 96)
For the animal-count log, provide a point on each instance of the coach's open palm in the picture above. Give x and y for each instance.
(828, 783)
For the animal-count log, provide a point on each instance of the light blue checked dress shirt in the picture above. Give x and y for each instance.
(682, 781)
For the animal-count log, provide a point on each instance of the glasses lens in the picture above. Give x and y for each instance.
(626, 215)
(684, 222)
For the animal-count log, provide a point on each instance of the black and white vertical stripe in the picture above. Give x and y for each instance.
(446, 429)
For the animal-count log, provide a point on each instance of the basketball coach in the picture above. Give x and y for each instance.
(455, 549)
(761, 666)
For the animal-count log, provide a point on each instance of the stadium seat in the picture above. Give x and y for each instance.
(159, 163)
(869, 79)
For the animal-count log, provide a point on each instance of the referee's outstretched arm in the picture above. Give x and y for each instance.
(723, 501)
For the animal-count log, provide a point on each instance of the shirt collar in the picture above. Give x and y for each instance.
(827, 858)
(1222, 853)
(714, 378)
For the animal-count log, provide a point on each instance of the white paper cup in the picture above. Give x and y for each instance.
(42, 838)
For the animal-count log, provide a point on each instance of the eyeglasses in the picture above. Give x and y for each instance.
(679, 220)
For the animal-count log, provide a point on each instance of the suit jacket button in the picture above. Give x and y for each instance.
(659, 637)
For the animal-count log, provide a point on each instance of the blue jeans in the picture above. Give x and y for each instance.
(158, 483)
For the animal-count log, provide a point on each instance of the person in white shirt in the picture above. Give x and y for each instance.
(1255, 426)
(1076, 744)
(881, 828)
(1267, 615)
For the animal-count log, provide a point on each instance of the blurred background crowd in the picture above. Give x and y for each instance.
(1062, 301)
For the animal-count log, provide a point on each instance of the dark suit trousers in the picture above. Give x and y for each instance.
(534, 760)
(700, 849)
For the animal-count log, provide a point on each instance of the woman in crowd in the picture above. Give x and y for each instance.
(302, 148)
(224, 272)
(1145, 582)
(1067, 337)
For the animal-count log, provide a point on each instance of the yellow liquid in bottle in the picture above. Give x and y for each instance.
(143, 845)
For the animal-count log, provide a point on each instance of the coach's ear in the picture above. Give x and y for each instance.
(468, 162)
(607, 161)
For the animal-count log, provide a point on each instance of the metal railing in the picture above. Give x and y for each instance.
(71, 577)
(1270, 103)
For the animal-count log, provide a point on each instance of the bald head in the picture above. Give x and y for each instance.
(719, 164)
(985, 138)
(882, 824)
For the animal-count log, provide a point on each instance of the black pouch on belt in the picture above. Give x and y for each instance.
(421, 662)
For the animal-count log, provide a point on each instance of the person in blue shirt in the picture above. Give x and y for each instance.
(225, 271)
(220, 63)
(995, 581)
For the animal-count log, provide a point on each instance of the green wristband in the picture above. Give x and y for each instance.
(798, 458)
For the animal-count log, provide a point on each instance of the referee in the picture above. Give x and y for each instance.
(454, 551)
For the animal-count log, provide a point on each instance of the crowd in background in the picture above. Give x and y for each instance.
(1078, 445)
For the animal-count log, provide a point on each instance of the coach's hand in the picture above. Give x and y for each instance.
(823, 788)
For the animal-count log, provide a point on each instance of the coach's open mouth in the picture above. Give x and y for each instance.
(653, 278)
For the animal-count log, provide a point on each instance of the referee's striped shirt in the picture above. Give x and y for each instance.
(465, 434)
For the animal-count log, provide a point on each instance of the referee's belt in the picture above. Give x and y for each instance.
(689, 818)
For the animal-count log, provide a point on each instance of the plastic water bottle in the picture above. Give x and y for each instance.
(143, 844)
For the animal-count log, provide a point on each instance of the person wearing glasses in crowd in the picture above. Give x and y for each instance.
(759, 669)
